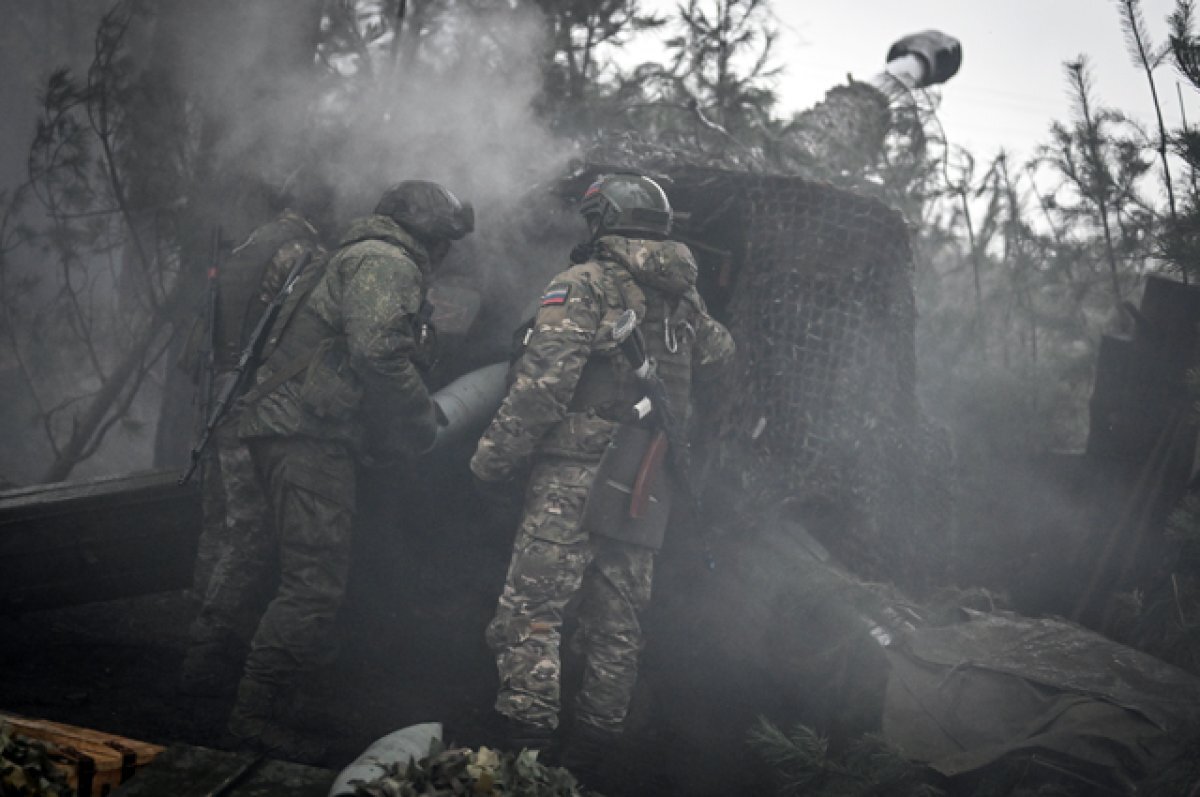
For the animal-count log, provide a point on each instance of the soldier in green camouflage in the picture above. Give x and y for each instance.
(337, 381)
(235, 513)
(573, 389)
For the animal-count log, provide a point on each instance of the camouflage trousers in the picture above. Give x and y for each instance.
(236, 530)
(554, 561)
(304, 550)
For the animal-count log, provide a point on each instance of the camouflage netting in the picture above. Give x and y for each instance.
(816, 285)
(823, 416)
(27, 769)
(447, 772)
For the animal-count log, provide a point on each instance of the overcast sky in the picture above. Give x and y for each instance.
(1011, 85)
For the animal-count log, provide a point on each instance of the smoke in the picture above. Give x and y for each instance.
(454, 105)
(452, 101)
(223, 106)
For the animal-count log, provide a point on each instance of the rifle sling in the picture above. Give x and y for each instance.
(296, 364)
(266, 387)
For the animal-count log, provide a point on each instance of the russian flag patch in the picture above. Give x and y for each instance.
(555, 296)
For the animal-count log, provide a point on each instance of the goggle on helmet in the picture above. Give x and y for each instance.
(627, 204)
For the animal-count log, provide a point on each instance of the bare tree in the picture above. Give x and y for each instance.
(104, 239)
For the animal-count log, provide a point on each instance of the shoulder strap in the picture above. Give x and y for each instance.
(308, 281)
(267, 386)
(305, 285)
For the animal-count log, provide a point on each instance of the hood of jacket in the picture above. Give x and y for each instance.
(384, 228)
(665, 265)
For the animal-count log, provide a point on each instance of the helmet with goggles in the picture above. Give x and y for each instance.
(627, 204)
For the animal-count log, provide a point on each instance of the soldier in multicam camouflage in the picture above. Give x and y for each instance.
(235, 536)
(337, 381)
(573, 390)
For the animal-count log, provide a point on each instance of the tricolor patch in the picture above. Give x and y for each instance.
(555, 296)
(593, 189)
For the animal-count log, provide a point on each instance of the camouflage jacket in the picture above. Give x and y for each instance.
(338, 362)
(573, 386)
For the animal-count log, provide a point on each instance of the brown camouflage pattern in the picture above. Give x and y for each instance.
(549, 422)
(536, 416)
(554, 559)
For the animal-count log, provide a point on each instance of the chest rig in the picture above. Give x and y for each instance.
(607, 386)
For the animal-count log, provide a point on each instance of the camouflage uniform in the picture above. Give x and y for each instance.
(336, 371)
(570, 392)
(337, 380)
(235, 536)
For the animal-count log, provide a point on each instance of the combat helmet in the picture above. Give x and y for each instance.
(427, 210)
(627, 204)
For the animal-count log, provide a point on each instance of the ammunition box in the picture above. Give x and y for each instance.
(95, 762)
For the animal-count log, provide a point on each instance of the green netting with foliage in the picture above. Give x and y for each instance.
(447, 772)
(26, 769)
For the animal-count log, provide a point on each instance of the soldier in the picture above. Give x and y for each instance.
(234, 506)
(572, 392)
(337, 380)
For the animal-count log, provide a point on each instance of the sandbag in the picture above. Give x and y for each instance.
(397, 748)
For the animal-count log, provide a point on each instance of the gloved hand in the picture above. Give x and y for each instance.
(941, 53)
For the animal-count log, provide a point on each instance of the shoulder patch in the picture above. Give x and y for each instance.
(556, 294)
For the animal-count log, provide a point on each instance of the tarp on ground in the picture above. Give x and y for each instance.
(964, 696)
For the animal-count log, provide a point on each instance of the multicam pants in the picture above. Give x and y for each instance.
(554, 560)
(304, 548)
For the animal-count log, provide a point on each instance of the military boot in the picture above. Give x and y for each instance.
(585, 751)
(255, 724)
(515, 735)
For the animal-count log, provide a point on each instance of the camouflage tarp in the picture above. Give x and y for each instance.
(965, 696)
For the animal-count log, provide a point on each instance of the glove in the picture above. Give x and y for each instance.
(941, 53)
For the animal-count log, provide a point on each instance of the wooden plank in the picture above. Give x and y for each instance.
(94, 762)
